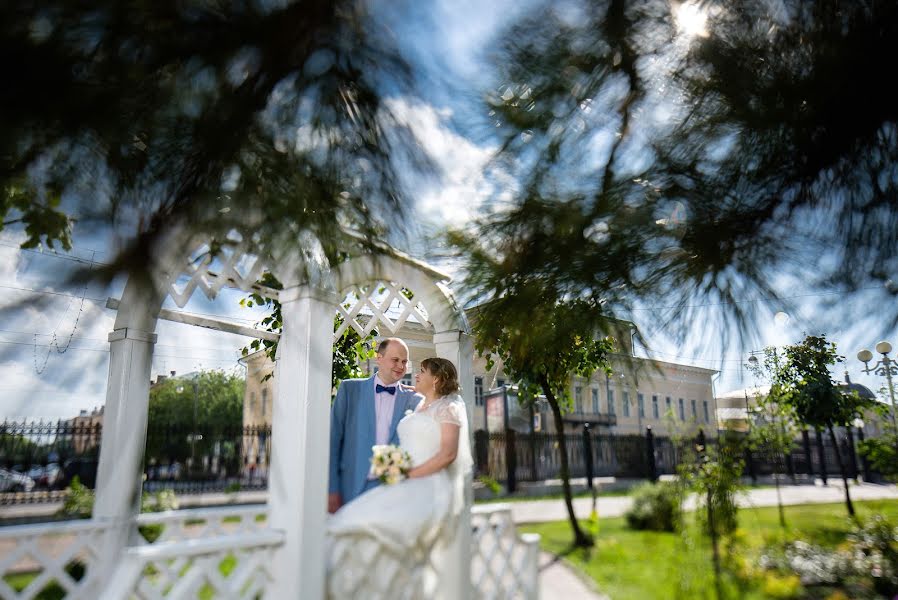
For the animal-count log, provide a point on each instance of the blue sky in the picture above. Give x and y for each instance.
(446, 38)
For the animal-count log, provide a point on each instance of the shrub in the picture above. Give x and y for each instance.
(782, 586)
(491, 484)
(79, 502)
(656, 506)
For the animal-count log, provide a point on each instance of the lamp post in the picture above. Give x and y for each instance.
(886, 366)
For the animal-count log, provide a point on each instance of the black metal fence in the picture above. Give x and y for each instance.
(512, 457)
(39, 458)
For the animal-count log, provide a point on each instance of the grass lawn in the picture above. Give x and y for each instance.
(639, 564)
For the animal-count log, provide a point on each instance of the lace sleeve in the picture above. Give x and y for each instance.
(448, 412)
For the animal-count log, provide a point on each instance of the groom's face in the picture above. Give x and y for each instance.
(392, 363)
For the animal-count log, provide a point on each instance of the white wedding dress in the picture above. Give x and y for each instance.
(380, 543)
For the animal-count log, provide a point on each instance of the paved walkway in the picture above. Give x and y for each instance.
(557, 580)
(541, 511)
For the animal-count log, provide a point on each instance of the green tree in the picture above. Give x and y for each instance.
(713, 473)
(271, 117)
(541, 350)
(773, 423)
(806, 386)
(172, 417)
(882, 451)
(770, 155)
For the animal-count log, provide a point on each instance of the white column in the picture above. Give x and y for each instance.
(297, 483)
(455, 579)
(119, 475)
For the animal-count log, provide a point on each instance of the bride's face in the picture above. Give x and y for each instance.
(424, 381)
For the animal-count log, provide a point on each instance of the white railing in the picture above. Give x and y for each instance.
(504, 565)
(227, 552)
(224, 566)
(36, 558)
(192, 523)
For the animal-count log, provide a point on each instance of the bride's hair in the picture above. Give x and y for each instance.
(444, 371)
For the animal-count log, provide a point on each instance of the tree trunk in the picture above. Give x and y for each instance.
(715, 548)
(779, 501)
(581, 539)
(848, 504)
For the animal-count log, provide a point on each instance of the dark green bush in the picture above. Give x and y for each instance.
(656, 506)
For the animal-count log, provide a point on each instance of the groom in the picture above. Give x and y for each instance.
(365, 413)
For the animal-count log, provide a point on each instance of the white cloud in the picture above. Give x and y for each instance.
(456, 197)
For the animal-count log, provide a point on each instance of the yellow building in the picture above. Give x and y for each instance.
(640, 393)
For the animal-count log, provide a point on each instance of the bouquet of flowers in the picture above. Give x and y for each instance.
(390, 463)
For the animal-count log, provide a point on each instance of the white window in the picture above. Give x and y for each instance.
(655, 406)
(640, 404)
(578, 399)
(611, 408)
(682, 406)
(625, 402)
(595, 401)
(705, 407)
(694, 409)
(478, 391)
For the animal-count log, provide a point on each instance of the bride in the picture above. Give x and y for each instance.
(377, 542)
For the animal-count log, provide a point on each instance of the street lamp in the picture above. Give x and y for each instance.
(886, 367)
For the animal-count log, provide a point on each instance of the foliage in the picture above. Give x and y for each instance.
(350, 351)
(656, 507)
(44, 221)
(882, 453)
(172, 417)
(697, 208)
(491, 484)
(773, 423)
(714, 473)
(542, 347)
(207, 116)
(805, 385)
(79, 501)
(542, 344)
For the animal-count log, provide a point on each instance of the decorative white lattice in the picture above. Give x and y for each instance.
(382, 305)
(504, 565)
(199, 523)
(233, 566)
(57, 555)
(368, 569)
(231, 264)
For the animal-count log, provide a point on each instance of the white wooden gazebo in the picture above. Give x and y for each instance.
(275, 549)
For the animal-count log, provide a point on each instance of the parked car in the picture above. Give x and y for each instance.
(11, 481)
(50, 477)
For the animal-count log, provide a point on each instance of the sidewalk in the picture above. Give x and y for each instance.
(541, 511)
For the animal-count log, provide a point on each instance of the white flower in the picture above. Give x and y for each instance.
(408, 412)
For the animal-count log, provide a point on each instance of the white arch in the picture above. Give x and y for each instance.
(299, 447)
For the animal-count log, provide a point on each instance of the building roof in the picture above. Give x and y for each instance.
(750, 392)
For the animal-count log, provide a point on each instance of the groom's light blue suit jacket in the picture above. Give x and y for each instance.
(353, 423)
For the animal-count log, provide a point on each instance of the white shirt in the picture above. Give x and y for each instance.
(384, 403)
